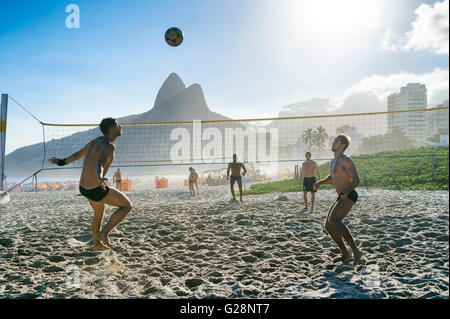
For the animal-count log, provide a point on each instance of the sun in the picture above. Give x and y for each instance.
(330, 20)
(343, 15)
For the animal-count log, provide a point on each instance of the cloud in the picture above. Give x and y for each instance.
(430, 31)
(392, 41)
(370, 94)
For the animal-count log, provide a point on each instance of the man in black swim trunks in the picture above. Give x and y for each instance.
(309, 179)
(98, 156)
(344, 177)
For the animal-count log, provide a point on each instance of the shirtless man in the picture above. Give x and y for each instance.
(98, 156)
(236, 175)
(309, 179)
(192, 181)
(196, 179)
(117, 178)
(344, 177)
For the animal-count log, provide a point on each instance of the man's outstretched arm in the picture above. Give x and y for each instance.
(72, 158)
(326, 180)
(228, 171)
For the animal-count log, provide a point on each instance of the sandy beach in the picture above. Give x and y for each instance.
(175, 246)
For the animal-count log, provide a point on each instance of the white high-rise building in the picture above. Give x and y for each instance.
(438, 123)
(413, 96)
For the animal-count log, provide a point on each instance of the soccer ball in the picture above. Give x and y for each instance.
(174, 37)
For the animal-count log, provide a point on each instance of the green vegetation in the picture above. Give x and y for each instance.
(316, 138)
(376, 142)
(409, 169)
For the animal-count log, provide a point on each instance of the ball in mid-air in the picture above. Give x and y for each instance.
(174, 37)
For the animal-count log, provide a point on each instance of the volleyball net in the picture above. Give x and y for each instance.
(267, 141)
(255, 140)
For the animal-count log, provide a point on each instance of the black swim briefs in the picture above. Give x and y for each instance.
(308, 184)
(234, 178)
(95, 194)
(352, 196)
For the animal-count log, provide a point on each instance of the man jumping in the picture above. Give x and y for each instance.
(98, 156)
(309, 179)
(344, 177)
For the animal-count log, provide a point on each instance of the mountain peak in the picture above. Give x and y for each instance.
(171, 87)
(175, 102)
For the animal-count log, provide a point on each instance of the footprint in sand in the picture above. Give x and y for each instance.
(193, 283)
(56, 259)
(52, 269)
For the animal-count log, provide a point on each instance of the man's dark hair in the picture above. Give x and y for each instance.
(106, 124)
(345, 139)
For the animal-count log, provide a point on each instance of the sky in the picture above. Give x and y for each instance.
(251, 57)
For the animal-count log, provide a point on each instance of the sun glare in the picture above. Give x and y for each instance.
(332, 19)
(343, 15)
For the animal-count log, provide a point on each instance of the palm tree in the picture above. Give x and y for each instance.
(320, 137)
(308, 137)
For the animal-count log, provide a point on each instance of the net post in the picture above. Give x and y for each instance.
(4, 110)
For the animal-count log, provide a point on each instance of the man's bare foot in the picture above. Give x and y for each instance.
(100, 247)
(344, 258)
(357, 258)
(104, 239)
